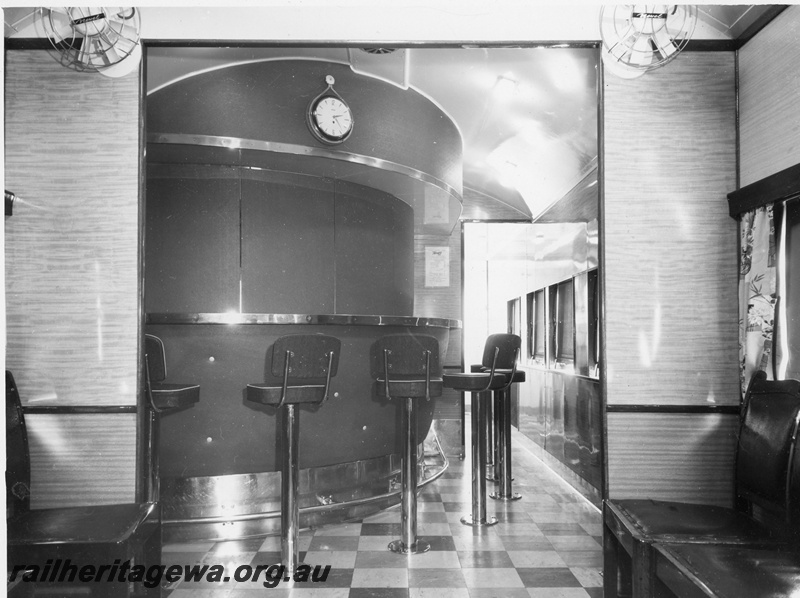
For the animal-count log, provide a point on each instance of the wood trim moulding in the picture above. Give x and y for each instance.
(776, 187)
(721, 409)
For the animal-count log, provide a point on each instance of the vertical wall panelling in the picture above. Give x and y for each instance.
(440, 302)
(769, 85)
(670, 280)
(72, 153)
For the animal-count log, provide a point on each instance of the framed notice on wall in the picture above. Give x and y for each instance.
(437, 266)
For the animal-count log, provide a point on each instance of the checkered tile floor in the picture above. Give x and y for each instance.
(546, 545)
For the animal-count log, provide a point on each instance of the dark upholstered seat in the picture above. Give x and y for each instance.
(764, 452)
(85, 535)
(302, 366)
(725, 571)
(165, 396)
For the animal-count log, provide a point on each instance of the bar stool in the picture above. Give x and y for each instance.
(305, 364)
(163, 398)
(478, 383)
(498, 419)
(407, 367)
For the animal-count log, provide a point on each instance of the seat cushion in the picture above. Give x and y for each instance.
(408, 389)
(473, 381)
(665, 521)
(727, 571)
(174, 396)
(295, 395)
(519, 375)
(101, 524)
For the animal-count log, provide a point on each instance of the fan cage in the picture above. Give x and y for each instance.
(645, 37)
(91, 39)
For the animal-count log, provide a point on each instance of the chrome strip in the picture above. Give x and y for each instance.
(301, 150)
(441, 465)
(307, 510)
(308, 319)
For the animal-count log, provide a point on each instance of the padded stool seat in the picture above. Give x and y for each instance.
(174, 396)
(474, 381)
(412, 388)
(727, 571)
(296, 395)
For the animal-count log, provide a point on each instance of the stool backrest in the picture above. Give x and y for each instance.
(18, 464)
(155, 358)
(409, 356)
(508, 345)
(301, 358)
(767, 436)
(310, 356)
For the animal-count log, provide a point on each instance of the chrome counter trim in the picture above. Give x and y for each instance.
(308, 319)
(301, 150)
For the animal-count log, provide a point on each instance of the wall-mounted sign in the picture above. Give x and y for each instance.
(437, 266)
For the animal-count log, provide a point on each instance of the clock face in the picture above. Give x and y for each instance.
(331, 119)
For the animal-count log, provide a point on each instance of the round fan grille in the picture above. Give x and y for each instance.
(641, 37)
(92, 39)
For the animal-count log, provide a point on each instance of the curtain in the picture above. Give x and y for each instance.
(757, 293)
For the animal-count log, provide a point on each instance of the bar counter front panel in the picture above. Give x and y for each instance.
(225, 434)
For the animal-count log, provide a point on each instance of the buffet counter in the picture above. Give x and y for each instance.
(218, 460)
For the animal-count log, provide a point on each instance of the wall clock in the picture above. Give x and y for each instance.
(329, 117)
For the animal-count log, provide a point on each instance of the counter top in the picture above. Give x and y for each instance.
(312, 319)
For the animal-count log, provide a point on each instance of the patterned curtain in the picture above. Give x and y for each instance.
(757, 293)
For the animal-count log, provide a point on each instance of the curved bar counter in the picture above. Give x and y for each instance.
(252, 224)
(219, 470)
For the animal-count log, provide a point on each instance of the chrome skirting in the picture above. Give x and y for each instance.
(231, 507)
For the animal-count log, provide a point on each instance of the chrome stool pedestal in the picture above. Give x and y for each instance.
(503, 445)
(407, 367)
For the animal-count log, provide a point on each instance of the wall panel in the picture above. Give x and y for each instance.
(769, 85)
(670, 246)
(72, 249)
(72, 266)
(445, 301)
(81, 459)
(685, 457)
(670, 277)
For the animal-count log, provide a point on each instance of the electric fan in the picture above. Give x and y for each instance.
(641, 37)
(100, 39)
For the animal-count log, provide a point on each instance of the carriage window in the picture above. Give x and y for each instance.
(594, 322)
(564, 324)
(539, 327)
(514, 316)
